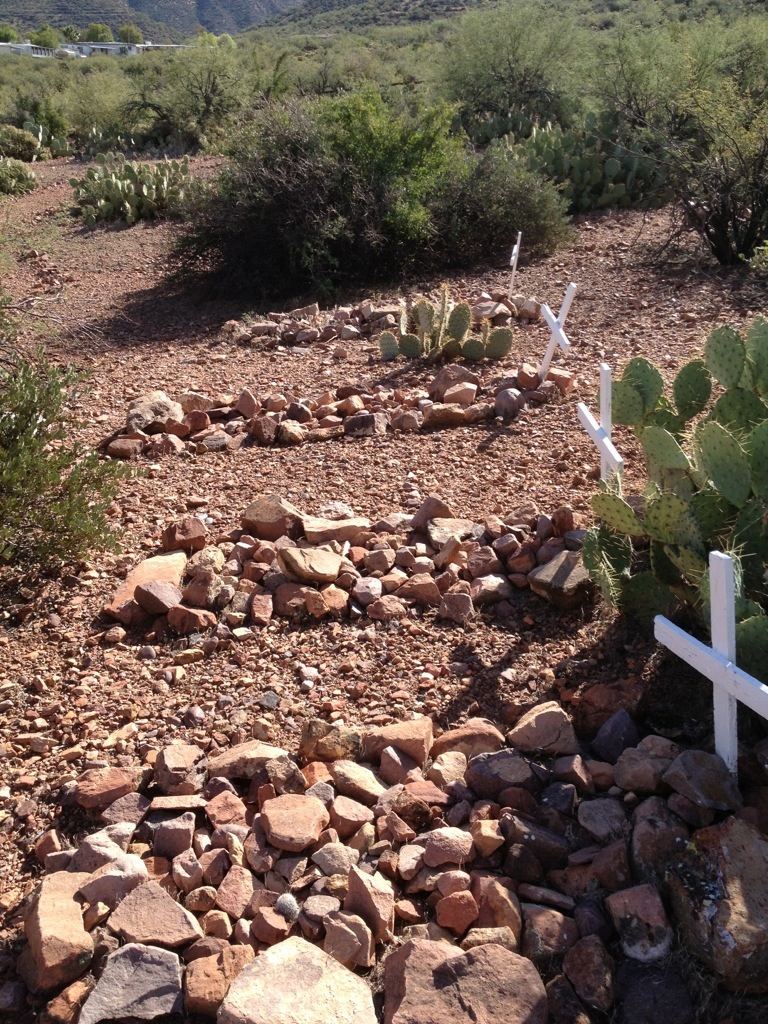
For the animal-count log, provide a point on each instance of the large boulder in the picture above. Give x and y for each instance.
(60, 948)
(150, 413)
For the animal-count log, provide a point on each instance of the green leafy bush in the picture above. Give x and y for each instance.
(18, 144)
(330, 193)
(116, 189)
(707, 468)
(15, 178)
(54, 493)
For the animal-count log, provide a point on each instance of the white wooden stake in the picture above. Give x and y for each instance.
(513, 262)
(557, 334)
(611, 463)
(717, 663)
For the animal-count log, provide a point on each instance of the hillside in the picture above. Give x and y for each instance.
(159, 19)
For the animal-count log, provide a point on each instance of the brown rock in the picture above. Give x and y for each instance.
(476, 736)
(546, 728)
(639, 917)
(457, 911)
(413, 738)
(356, 781)
(149, 915)
(235, 892)
(243, 761)
(225, 809)
(589, 968)
(180, 769)
(187, 535)
(546, 932)
(271, 517)
(347, 816)
(447, 846)
(293, 822)
(155, 597)
(65, 1008)
(372, 898)
(207, 979)
(563, 581)
(564, 1005)
(184, 621)
(428, 982)
(349, 940)
(704, 779)
(720, 903)
(168, 568)
(321, 741)
(60, 949)
(97, 788)
(269, 926)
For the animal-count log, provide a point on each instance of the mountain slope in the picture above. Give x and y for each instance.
(154, 17)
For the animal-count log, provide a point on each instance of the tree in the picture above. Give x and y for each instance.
(131, 34)
(97, 32)
(226, 42)
(71, 33)
(45, 36)
(8, 33)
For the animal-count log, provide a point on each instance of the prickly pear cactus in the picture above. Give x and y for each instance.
(725, 353)
(643, 376)
(662, 449)
(627, 404)
(692, 389)
(739, 410)
(388, 346)
(499, 343)
(411, 347)
(726, 463)
(459, 322)
(473, 349)
(617, 514)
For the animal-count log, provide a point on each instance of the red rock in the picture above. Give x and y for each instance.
(546, 728)
(293, 822)
(243, 761)
(187, 535)
(156, 597)
(413, 738)
(428, 982)
(235, 892)
(269, 926)
(224, 809)
(97, 788)
(271, 517)
(546, 932)
(207, 979)
(372, 898)
(149, 915)
(349, 940)
(589, 968)
(639, 917)
(183, 620)
(457, 912)
(60, 949)
(347, 816)
(168, 568)
(447, 846)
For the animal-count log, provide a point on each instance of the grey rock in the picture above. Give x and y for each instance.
(139, 983)
(614, 736)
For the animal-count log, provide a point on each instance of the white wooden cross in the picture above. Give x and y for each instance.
(513, 262)
(718, 662)
(557, 334)
(611, 463)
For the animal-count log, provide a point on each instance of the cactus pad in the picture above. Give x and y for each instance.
(713, 513)
(739, 410)
(662, 449)
(388, 346)
(607, 558)
(692, 388)
(663, 416)
(750, 541)
(643, 598)
(423, 315)
(664, 516)
(627, 404)
(663, 568)
(617, 514)
(752, 645)
(757, 453)
(725, 353)
(473, 349)
(726, 463)
(499, 343)
(410, 346)
(690, 563)
(757, 353)
(646, 380)
(459, 322)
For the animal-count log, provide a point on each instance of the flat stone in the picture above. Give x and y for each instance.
(296, 981)
(293, 822)
(347, 815)
(207, 979)
(432, 982)
(546, 728)
(356, 781)
(604, 818)
(138, 983)
(413, 738)
(97, 788)
(546, 931)
(236, 891)
(322, 741)
(309, 565)
(432, 507)
(320, 531)
(447, 846)
(440, 530)
(372, 898)
(590, 969)
(132, 808)
(150, 916)
(658, 838)
(60, 949)
(174, 836)
(720, 903)
(489, 774)
(165, 568)
(270, 517)
(180, 769)
(614, 736)
(349, 940)
(563, 581)
(242, 761)
(705, 780)
(476, 736)
(156, 597)
(112, 882)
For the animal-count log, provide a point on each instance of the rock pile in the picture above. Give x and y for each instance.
(287, 563)
(263, 889)
(196, 423)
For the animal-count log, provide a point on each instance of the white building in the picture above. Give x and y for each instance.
(66, 50)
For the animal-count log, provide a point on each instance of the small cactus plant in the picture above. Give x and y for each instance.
(707, 466)
(118, 190)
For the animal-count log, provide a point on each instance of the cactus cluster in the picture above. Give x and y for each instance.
(443, 332)
(15, 178)
(119, 190)
(707, 466)
(592, 171)
(47, 143)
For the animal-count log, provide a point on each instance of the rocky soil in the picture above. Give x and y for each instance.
(72, 702)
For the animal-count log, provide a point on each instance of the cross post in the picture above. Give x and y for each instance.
(513, 262)
(718, 662)
(611, 463)
(557, 334)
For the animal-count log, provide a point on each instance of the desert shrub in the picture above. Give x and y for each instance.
(116, 189)
(327, 193)
(16, 144)
(54, 493)
(15, 178)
